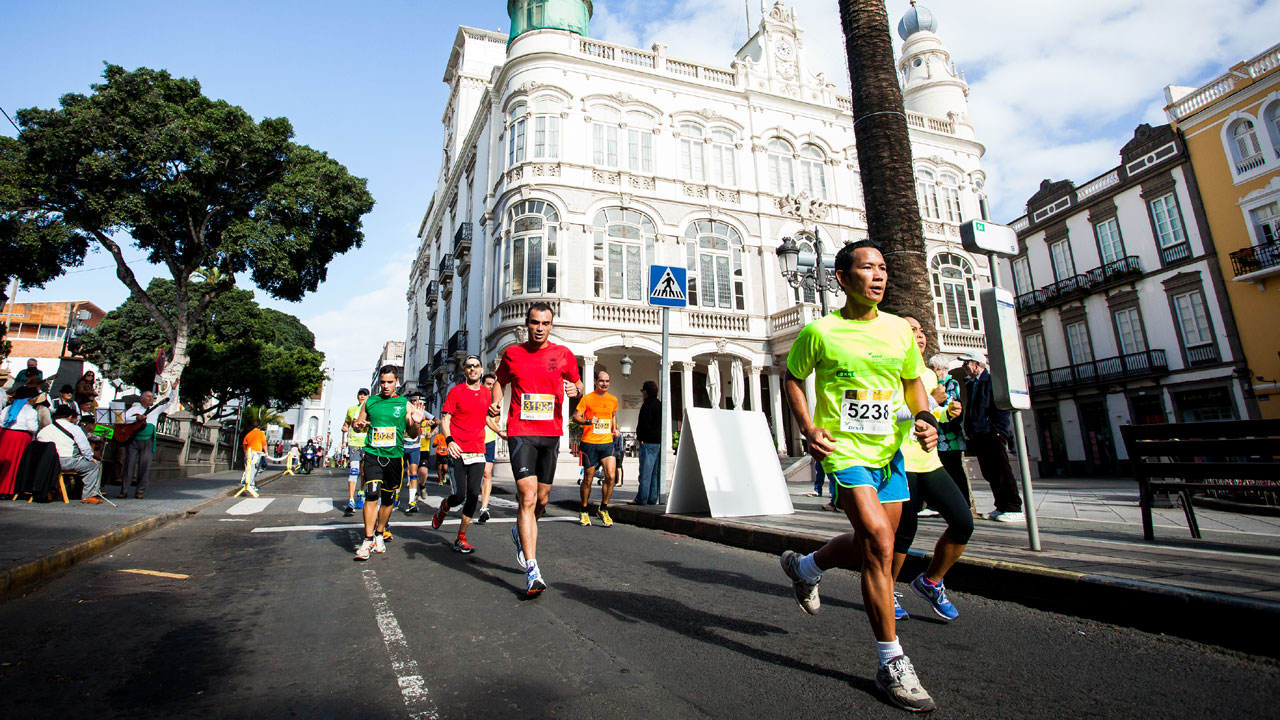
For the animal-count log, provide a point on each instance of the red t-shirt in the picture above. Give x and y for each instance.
(467, 410)
(535, 382)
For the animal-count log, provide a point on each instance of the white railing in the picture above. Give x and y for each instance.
(517, 309)
(718, 322)
(844, 103)
(650, 61)
(596, 49)
(1020, 224)
(1255, 68)
(625, 314)
(1250, 163)
(1096, 186)
(1264, 63)
(638, 57)
(926, 122)
(791, 319)
(959, 340)
(682, 68)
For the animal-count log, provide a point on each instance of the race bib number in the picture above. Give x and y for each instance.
(472, 458)
(537, 406)
(867, 412)
(601, 426)
(382, 437)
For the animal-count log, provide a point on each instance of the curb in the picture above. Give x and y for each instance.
(29, 573)
(1230, 621)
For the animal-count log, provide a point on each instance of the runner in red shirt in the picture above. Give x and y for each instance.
(463, 417)
(540, 374)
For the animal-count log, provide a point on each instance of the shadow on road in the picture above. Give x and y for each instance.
(741, 581)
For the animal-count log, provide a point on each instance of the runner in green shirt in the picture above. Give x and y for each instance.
(382, 421)
(863, 359)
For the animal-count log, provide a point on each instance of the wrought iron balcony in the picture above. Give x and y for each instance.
(1202, 354)
(432, 292)
(462, 240)
(1076, 286)
(458, 343)
(424, 376)
(1121, 367)
(438, 360)
(446, 268)
(1255, 258)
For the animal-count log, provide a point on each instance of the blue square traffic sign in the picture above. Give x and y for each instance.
(668, 286)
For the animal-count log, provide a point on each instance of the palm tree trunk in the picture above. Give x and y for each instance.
(884, 159)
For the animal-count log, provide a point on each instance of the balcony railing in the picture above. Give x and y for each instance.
(462, 240)
(1174, 253)
(1120, 367)
(437, 361)
(424, 376)
(1253, 259)
(1202, 354)
(432, 292)
(446, 268)
(457, 343)
(1095, 280)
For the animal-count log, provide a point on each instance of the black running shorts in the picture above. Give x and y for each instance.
(383, 475)
(534, 455)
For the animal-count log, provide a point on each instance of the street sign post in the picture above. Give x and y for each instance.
(983, 236)
(668, 288)
(1004, 350)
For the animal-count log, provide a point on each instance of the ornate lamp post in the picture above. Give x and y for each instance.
(804, 269)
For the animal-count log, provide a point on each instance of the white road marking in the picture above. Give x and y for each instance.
(412, 686)
(316, 506)
(232, 520)
(394, 524)
(249, 506)
(503, 503)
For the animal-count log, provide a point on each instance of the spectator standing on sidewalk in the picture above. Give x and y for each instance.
(140, 449)
(74, 452)
(951, 445)
(649, 436)
(987, 429)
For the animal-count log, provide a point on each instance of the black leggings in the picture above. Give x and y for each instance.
(468, 480)
(936, 488)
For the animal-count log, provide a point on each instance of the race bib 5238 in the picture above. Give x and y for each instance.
(537, 406)
(867, 412)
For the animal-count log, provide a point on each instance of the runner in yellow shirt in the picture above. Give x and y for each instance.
(863, 358)
(355, 449)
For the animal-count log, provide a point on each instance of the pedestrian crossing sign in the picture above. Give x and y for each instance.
(668, 286)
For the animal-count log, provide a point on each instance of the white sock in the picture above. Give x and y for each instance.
(809, 570)
(530, 566)
(484, 509)
(413, 495)
(889, 650)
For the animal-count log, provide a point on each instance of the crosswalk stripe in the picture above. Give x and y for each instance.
(500, 502)
(249, 506)
(395, 524)
(316, 506)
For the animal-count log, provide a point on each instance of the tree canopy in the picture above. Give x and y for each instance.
(237, 350)
(195, 183)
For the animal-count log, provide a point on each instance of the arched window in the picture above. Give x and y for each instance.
(530, 264)
(623, 252)
(781, 168)
(543, 122)
(955, 296)
(714, 261)
(1272, 116)
(949, 190)
(1245, 149)
(692, 153)
(927, 194)
(721, 162)
(813, 179)
(604, 137)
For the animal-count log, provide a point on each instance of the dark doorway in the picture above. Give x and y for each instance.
(1099, 444)
(1149, 409)
(1053, 448)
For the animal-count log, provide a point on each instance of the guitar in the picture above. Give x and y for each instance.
(124, 432)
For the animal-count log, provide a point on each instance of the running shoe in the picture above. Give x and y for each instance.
(92, 500)
(379, 545)
(584, 519)
(928, 512)
(806, 594)
(1011, 517)
(604, 517)
(360, 501)
(515, 538)
(438, 519)
(897, 680)
(462, 546)
(484, 516)
(387, 536)
(536, 584)
(898, 612)
(362, 552)
(412, 509)
(937, 597)
(350, 509)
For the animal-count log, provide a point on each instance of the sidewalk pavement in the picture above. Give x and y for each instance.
(40, 539)
(1094, 562)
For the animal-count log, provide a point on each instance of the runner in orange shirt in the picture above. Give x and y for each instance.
(598, 410)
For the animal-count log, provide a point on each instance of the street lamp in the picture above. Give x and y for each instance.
(626, 364)
(807, 270)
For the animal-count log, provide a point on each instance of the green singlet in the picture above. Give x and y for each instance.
(860, 366)
(386, 418)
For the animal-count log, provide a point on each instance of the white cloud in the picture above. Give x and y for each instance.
(1056, 88)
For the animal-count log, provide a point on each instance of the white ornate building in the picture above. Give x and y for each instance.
(569, 165)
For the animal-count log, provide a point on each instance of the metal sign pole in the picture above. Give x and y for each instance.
(664, 442)
(1020, 442)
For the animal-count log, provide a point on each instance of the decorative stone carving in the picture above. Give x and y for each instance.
(721, 345)
(606, 178)
(695, 191)
(728, 196)
(522, 333)
(515, 173)
(552, 170)
(803, 206)
(643, 183)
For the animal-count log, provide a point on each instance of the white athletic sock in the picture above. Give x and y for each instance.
(413, 495)
(889, 650)
(809, 570)
(530, 566)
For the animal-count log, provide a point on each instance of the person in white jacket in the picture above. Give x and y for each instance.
(74, 452)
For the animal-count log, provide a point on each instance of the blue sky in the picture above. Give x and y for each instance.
(1056, 90)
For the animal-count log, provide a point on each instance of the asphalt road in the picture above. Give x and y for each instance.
(636, 623)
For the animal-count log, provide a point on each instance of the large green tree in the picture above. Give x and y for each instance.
(194, 183)
(884, 161)
(238, 350)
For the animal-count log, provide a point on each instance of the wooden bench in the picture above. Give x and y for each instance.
(1183, 457)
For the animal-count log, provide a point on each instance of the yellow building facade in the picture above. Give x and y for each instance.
(1232, 131)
